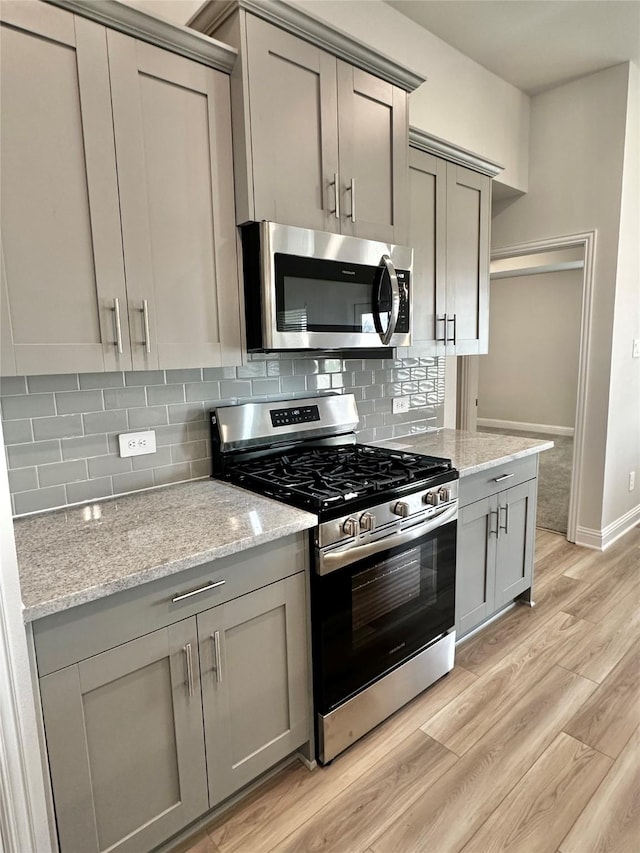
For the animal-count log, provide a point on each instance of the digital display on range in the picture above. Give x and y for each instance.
(294, 415)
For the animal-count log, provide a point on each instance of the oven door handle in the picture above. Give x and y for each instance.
(347, 553)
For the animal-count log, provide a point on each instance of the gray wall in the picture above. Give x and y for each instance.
(531, 372)
(61, 431)
(577, 154)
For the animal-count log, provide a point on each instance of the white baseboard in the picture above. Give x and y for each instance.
(602, 539)
(520, 426)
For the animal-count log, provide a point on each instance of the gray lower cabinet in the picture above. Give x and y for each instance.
(125, 742)
(150, 733)
(495, 546)
(254, 683)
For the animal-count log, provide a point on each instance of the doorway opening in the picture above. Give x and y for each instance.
(533, 381)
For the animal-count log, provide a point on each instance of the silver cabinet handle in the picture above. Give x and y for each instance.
(335, 183)
(497, 530)
(503, 477)
(505, 526)
(217, 656)
(187, 654)
(385, 337)
(451, 320)
(182, 595)
(116, 314)
(145, 317)
(352, 189)
(442, 319)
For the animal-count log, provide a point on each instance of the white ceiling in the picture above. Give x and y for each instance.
(534, 44)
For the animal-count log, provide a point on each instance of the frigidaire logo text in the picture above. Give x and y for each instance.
(397, 648)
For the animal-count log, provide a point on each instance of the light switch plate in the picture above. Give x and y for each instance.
(636, 347)
(137, 443)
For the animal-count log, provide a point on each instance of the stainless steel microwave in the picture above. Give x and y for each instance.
(314, 290)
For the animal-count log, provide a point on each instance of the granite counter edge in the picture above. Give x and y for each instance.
(503, 460)
(33, 612)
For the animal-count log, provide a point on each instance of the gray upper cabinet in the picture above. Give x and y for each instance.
(318, 142)
(62, 274)
(449, 229)
(125, 742)
(118, 237)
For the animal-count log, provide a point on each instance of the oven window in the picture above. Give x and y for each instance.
(387, 590)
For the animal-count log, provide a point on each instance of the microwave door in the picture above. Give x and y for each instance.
(386, 304)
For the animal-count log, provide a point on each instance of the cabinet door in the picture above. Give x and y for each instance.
(254, 683)
(475, 568)
(173, 144)
(427, 220)
(125, 743)
(514, 560)
(60, 219)
(373, 136)
(468, 224)
(294, 128)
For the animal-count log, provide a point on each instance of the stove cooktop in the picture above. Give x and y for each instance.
(339, 478)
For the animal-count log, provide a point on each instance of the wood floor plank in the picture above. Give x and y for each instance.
(610, 716)
(502, 637)
(608, 643)
(610, 822)
(450, 813)
(559, 561)
(293, 797)
(621, 582)
(539, 811)
(474, 712)
(596, 564)
(378, 798)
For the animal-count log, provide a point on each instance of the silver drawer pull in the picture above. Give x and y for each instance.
(218, 657)
(187, 654)
(504, 526)
(504, 477)
(200, 589)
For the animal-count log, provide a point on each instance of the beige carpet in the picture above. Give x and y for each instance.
(554, 479)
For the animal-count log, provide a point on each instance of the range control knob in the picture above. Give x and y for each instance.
(445, 494)
(432, 498)
(401, 508)
(367, 521)
(350, 526)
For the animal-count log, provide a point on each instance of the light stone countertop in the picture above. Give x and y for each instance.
(73, 556)
(469, 452)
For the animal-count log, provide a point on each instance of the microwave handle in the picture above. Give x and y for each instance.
(388, 267)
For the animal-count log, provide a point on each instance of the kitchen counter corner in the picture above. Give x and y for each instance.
(469, 452)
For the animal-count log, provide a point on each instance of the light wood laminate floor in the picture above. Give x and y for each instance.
(531, 744)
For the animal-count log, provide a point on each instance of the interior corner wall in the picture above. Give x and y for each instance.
(530, 374)
(623, 430)
(575, 186)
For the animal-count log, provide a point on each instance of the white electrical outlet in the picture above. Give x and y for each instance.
(137, 443)
(632, 480)
(636, 348)
(400, 405)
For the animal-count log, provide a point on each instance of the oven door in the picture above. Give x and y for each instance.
(370, 616)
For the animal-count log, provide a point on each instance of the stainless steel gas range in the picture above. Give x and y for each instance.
(383, 553)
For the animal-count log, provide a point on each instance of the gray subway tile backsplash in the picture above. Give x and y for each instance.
(61, 431)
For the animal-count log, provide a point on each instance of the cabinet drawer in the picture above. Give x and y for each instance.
(494, 480)
(80, 632)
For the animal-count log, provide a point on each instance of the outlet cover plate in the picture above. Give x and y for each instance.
(400, 405)
(137, 443)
